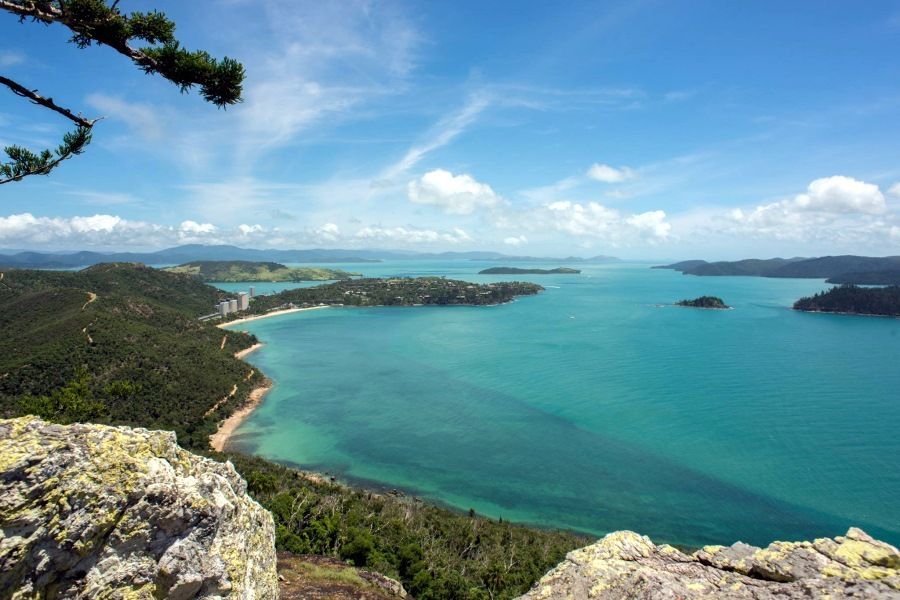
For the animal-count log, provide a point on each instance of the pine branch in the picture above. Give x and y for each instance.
(36, 98)
(24, 163)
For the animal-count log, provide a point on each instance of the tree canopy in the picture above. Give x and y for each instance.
(146, 38)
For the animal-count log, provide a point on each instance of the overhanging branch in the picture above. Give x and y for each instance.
(36, 98)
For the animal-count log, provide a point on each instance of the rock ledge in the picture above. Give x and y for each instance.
(90, 511)
(627, 565)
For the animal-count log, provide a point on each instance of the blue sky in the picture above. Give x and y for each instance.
(642, 129)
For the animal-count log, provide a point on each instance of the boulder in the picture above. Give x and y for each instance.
(91, 511)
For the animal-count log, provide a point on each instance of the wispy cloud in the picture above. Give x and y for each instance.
(441, 134)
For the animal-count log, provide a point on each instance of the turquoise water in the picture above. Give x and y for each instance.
(597, 406)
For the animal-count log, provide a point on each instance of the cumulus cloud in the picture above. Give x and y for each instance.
(192, 227)
(454, 194)
(839, 194)
(515, 240)
(836, 200)
(895, 190)
(608, 174)
(833, 212)
(412, 235)
(592, 221)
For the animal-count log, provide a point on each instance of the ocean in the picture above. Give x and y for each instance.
(597, 405)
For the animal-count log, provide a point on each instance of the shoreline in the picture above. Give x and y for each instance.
(219, 440)
(242, 353)
(273, 313)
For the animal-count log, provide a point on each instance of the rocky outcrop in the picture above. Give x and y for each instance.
(627, 565)
(89, 511)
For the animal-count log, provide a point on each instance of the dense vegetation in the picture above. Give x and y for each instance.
(434, 552)
(118, 344)
(518, 271)
(121, 344)
(396, 292)
(842, 269)
(246, 270)
(704, 302)
(884, 301)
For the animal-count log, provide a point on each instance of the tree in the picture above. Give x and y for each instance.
(103, 23)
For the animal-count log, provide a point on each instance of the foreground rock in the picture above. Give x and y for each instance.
(89, 511)
(627, 565)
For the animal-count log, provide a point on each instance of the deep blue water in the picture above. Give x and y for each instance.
(598, 406)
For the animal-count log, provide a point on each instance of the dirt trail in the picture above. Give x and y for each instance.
(91, 297)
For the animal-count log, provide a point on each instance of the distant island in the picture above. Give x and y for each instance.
(230, 271)
(863, 270)
(518, 271)
(854, 300)
(704, 302)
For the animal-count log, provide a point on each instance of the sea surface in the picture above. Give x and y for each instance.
(597, 405)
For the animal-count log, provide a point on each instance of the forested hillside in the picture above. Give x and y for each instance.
(124, 343)
(881, 301)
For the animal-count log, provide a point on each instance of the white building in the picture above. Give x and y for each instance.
(252, 291)
(232, 305)
(243, 301)
(222, 307)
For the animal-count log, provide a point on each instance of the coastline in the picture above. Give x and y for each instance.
(219, 439)
(242, 353)
(274, 313)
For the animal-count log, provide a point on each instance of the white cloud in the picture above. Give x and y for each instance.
(191, 227)
(411, 235)
(839, 194)
(894, 190)
(454, 194)
(834, 212)
(608, 174)
(515, 240)
(593, 221)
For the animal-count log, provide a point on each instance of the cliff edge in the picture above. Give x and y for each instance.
(90, 511)
(627, 565)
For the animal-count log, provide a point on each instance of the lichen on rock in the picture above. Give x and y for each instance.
(91, 511)
(627, 565)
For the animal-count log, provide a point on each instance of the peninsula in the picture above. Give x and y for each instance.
(419, 291)
(854, 300)
(233, 271)
(869, 270)
(704, 302)
(520, 271)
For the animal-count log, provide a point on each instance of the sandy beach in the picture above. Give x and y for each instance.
(219, 439)
(246, 351)
(274, 313)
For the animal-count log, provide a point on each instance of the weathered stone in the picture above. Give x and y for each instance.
(89, 511)
(627, 565)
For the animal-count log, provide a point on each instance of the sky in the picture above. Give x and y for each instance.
(642, 129)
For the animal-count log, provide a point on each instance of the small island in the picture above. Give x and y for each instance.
(520, 271)
(854, 300)
(704, 302)
(235, 271)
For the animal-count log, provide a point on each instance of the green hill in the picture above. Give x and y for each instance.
(245, 270)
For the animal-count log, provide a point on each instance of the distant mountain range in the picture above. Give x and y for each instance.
(195, 252)
(864, 270)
